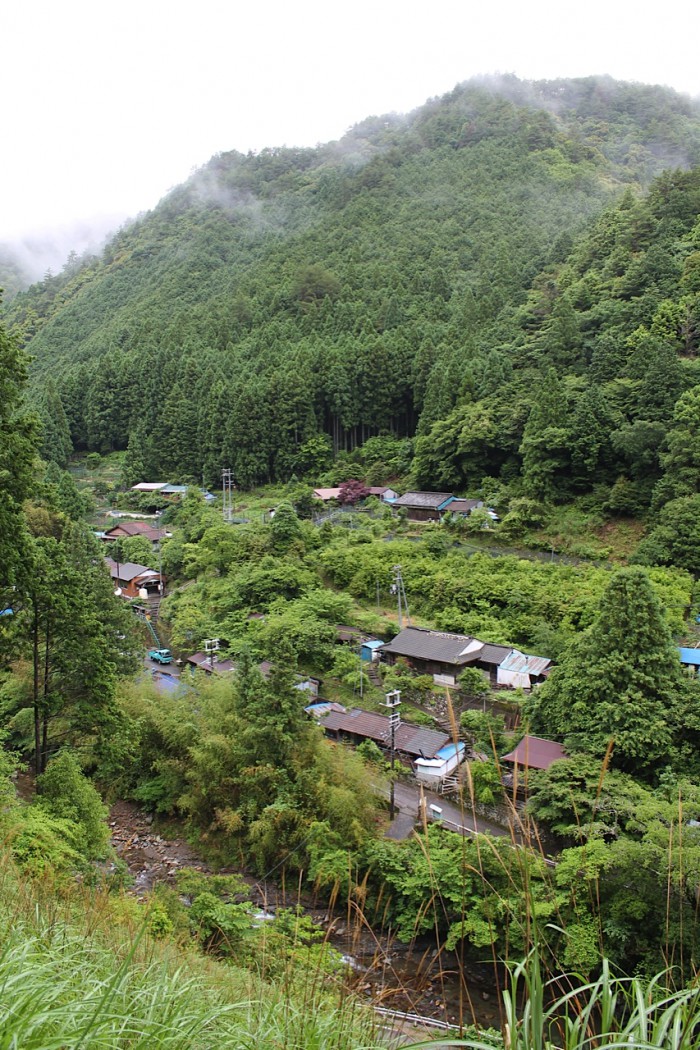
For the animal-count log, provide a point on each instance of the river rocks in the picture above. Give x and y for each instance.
(149, 857)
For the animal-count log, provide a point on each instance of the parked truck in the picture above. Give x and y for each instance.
(161, 656)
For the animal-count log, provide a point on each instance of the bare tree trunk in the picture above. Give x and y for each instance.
(45, 713)
(35, 691)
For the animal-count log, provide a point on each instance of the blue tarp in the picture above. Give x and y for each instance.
(448, 751)
(691, 657)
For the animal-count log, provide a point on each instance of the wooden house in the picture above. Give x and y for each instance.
(126, 529)
(135, 581)
(424, 506)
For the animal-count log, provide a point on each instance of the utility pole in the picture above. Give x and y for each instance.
(228, 487)
(361, 671)
(393, 702)
(399, 590)
(211, 646)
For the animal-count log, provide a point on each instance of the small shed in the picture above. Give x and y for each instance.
(434, 770)
(384, 493)
(690, 658)
(349, 635)
(370, 650)
(520, 670)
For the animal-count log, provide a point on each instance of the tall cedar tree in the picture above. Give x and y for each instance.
(17, 445)
(621, 681)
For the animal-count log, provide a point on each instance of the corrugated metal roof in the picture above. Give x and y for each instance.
(428, 500)
(421, 644)
(522, 663)
(536, 753)
(345, 633)
(415, 740)
(326, 494)
(691, 657)
(204, 663)
(450, 750)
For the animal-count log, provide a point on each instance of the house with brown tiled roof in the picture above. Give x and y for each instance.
(127, 529)
(358, 725)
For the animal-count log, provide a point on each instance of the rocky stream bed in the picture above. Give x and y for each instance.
(389, 974)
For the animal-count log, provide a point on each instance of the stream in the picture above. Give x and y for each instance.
(389, 974)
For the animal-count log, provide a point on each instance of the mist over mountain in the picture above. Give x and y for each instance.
(25, 260)
(413, 281)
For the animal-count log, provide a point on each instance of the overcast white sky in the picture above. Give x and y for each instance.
(108, 105)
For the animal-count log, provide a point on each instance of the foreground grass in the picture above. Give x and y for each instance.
(80, 970)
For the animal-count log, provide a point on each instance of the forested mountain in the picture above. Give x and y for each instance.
(490, 274)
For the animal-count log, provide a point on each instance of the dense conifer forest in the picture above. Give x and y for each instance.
(505, 280)
(497, 295)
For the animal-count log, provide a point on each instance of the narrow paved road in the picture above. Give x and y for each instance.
(407, 799)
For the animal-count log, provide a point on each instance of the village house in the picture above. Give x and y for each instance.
(126, 529)
(166, 491)
(445, 656)
(135, 581)
(382, 492)
(210, 663)
(532, 753)
(410, 742)
(213, 663)
(423, 506)
(463, 507)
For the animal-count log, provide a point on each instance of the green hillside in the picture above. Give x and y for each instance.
(419, 277)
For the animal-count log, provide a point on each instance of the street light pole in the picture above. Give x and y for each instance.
(393, 702)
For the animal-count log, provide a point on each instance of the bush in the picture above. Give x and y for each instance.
(65, 792)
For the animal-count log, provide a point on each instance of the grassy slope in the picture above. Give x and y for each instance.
(77, 969)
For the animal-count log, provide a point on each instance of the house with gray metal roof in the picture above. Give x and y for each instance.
(134, 581)
(444, 656)
(463, 507)
(424, 506)
(441, 654)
